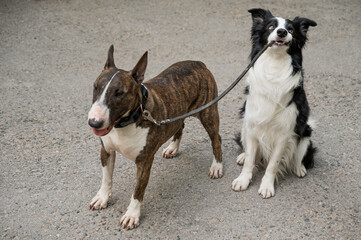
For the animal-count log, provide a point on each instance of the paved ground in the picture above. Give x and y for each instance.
(51, 52)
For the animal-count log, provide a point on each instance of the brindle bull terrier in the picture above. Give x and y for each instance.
(120, 97)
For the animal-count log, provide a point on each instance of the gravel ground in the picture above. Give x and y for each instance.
(52, 51)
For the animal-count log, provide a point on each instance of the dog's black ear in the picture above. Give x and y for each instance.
(110, 61)
(259, 14)
(139, 69)
(304, 24)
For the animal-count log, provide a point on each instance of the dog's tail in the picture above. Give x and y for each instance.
(308, 160)
(237, 138)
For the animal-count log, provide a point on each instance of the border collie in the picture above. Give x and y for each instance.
(276, 127)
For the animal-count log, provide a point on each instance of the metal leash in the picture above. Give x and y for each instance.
(148, 116)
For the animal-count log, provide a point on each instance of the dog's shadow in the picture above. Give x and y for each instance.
(177, 184)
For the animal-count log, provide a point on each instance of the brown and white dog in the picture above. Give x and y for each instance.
(119, 98)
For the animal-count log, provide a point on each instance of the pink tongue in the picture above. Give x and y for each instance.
(100, 132)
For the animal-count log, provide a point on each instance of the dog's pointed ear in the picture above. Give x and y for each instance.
(139, 69)
(259, 14)
(304, 24)
(110, 60)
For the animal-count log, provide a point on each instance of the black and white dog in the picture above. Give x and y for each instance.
(276, 127)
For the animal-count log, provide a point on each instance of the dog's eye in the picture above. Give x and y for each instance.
(95, 88)
(118, 93)
(271, 27)
(290, 31)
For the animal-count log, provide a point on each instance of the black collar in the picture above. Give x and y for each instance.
(134, 115)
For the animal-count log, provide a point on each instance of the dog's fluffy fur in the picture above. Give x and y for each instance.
(276, 127)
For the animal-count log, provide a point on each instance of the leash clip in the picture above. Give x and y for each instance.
(148, 116)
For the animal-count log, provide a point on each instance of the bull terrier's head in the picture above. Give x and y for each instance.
(116, 93)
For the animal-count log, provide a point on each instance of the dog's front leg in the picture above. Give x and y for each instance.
(241, 183)
(267, 189)
(130, 219)
(101, 198)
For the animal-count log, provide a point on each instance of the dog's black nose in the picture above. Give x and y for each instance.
(282, 33)
(96, 124)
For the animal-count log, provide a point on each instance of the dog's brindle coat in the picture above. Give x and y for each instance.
(179, 89)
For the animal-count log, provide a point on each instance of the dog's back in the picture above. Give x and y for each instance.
(190, 80)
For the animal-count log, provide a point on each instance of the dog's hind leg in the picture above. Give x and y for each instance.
(172, 150)
(304, 157)
(299, 168)
(304, 154)
(242, 144)
(100, 200)
(210, 121)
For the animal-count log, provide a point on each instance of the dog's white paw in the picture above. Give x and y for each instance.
(216, 170)
(267, 189)
(130, 219)
(241, 183)
(240, 158)
(100, 200)
(172, 150)
(301, 171)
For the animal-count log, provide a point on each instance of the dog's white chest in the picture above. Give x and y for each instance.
(271, 85)
(128, 141)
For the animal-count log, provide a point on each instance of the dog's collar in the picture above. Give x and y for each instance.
(134, 115)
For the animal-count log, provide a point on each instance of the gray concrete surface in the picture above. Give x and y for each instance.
(52, 51)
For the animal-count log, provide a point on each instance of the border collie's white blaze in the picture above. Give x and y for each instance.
(276, 130)
(280, 35)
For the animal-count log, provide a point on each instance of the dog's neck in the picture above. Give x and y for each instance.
(272, 77)
(135, 114)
